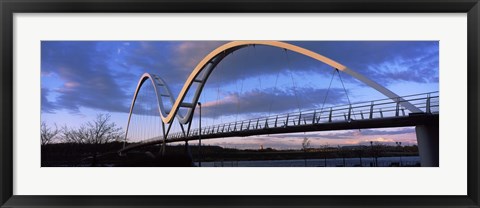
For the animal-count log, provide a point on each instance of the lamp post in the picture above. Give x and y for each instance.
(373, 153)
(399, 146)
(200, 136)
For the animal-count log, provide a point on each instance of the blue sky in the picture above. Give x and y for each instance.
(83, 78)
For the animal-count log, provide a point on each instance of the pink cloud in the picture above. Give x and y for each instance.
(190, 53)
(71, 84)
(295, 141)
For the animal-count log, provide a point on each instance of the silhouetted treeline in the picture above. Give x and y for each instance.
(217, 153)
(98, 131)
(73, 154)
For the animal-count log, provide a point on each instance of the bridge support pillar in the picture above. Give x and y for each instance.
(428, 144)
(187, 150)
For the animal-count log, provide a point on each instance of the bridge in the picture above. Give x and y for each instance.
(419, 110)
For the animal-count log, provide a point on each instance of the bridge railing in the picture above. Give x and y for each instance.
(384, 108)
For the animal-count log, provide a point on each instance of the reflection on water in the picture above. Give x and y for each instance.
(335, 162)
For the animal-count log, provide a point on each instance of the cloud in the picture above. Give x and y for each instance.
(347, 134)
(103, 75)
(396, 131)
(317, 139)
(171, 60)
(384, 61)
(256, 143)
(189, 53)
(46, 105)
(87, 78)
(421, 70)
(257, 102)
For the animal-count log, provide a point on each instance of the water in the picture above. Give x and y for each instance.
(335, 162)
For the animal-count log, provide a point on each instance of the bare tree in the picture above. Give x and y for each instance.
(100, 131)
(47, 134)
(70, 136)
(305, 147)
(305, 144)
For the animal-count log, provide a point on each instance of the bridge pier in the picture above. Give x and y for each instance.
(428, 143)
(187, 150)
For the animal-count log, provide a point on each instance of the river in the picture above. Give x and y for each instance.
(334, 162)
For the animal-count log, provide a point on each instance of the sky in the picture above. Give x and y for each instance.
(81, 79)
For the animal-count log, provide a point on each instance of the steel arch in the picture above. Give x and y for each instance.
(156, 83)
(208, 64)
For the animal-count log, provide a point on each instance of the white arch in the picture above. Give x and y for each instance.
(208, 64)
(157, 82)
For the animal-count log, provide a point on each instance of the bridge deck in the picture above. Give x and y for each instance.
(373, 114)
(410, 120)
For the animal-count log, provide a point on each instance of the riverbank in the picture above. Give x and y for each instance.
(71, 155)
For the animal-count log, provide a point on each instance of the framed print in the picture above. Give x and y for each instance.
(246, 104)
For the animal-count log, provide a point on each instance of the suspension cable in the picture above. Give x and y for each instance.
(328, 90)
(217, 102)
(346, 93)
(150, 111)
(274, 91)
(293, 81)
(238, 99)
(218, 96)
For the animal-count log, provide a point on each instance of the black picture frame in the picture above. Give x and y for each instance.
(9, 7)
